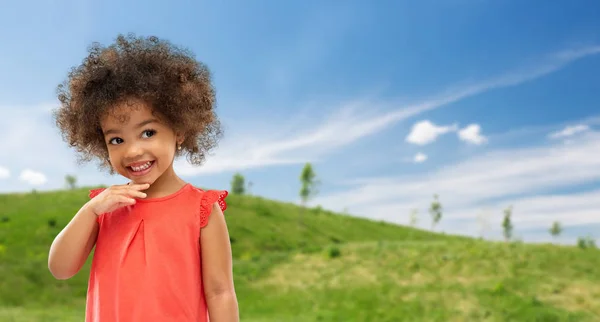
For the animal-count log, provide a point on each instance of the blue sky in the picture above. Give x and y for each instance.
(488, 103)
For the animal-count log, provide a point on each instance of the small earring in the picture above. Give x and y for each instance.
(179, 147)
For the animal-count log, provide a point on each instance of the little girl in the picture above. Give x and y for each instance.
(162, 250)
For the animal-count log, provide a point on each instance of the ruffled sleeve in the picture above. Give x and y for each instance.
(95, 192)
(206, 203)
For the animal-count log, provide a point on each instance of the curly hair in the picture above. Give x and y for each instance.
(168, 78)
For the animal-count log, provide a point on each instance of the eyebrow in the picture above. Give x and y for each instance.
(114, 131)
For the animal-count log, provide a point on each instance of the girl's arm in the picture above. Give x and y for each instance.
(73, 244)
(217, 269)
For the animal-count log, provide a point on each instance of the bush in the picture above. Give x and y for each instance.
(334, 252)
(586, 242)
(581, 243)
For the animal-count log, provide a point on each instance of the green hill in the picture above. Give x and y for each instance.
(327, 267)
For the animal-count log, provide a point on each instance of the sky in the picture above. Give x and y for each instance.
(489, 104)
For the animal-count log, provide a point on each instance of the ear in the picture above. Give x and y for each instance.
(180, 139)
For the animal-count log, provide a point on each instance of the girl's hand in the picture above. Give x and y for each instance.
(117, 196)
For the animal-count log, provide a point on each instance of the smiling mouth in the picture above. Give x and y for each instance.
(140, 169)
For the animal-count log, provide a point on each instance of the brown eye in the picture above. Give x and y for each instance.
(115, 141)
(148, 133)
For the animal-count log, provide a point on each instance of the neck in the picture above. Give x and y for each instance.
(166, 184)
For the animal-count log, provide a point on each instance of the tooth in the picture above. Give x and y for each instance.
(142, 167)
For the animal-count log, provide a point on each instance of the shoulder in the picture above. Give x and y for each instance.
(209, 202)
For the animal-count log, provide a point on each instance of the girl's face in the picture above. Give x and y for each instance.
(140, 146)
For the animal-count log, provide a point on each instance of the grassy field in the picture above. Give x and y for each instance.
(328, 268)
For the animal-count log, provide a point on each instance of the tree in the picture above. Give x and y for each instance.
(71, 181)
(309, 186)
(237, 184)
(435, 210)
(556, 229)
(414, 217)
(309, 183)
(507, 224)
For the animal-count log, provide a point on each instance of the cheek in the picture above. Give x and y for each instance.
(168, 153)
(164, 151)
(114, 158)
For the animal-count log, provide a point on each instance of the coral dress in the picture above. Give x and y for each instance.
(147, 261)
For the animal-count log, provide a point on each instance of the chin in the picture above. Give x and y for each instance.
(142, 181)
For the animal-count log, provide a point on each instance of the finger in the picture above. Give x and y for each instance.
(132, 186)
(130, 193)
(139, 186)
(121, 187)
(126, 201)
(135, 193)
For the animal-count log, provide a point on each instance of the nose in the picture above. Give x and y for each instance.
(134, 151)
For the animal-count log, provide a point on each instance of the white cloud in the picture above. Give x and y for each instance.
(490, 181)
(34, 143)
(33, 178)
(577, 53)
(420, 157)
(33, 134)
(4, 173)
(534, 215)
(570, 209)
(472, 134)
(425, 132)
(349, 125)
(569, 131)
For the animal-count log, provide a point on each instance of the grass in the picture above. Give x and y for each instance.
(327, 267)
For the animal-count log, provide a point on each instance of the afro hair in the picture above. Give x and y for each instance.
(176, 86)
